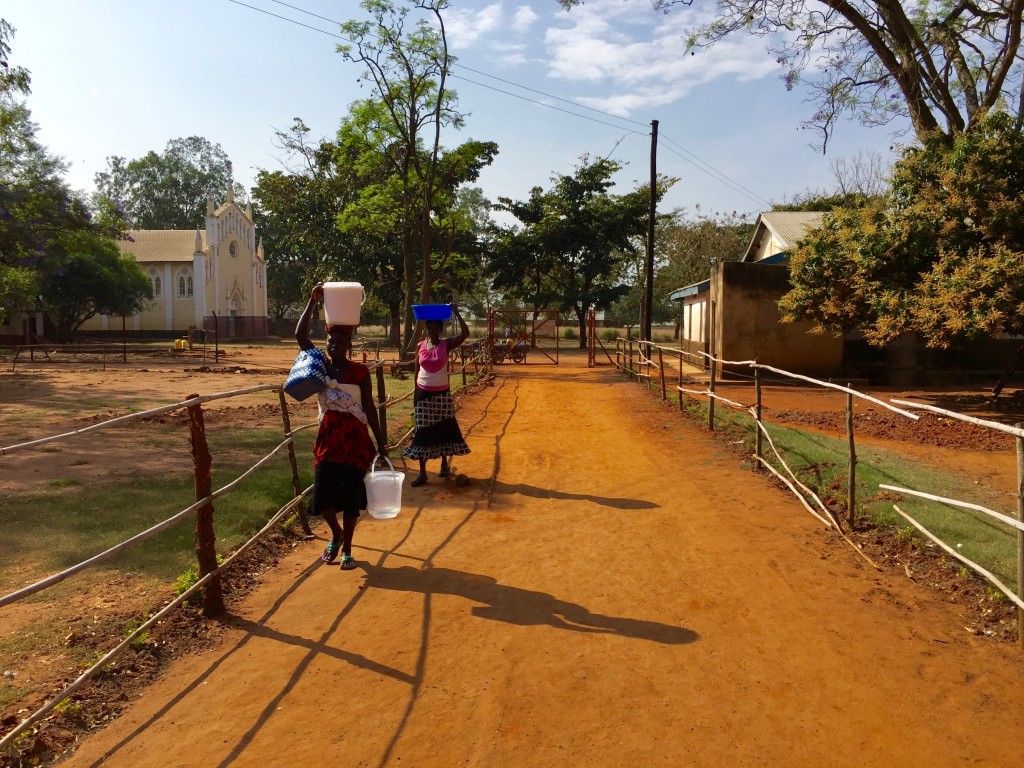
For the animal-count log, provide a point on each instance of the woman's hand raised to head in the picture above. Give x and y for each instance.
(317, 292)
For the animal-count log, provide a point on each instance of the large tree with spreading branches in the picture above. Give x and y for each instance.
(940, 63)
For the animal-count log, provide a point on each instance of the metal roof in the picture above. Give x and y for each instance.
(691, 290)
(788, 227)
(162, 244)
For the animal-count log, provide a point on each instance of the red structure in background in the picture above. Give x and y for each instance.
(514, 334)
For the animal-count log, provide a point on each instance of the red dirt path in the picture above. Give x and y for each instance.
(602, 593)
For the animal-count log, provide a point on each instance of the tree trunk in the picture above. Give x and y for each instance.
(395, 313)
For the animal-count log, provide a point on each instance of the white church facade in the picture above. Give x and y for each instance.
(214, 279)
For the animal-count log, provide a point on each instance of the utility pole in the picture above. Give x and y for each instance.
(648, 303)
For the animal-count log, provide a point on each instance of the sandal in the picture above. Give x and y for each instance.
(347, 562)
(331, 553)
(418, 481)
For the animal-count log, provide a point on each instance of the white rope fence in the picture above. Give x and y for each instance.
(970, 563)
(56, 578)
(1012, 522)
(140, 415)
(39, 714)
(1015, 431)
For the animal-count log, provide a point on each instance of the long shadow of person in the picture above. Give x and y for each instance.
(549, 493)
(524, 607)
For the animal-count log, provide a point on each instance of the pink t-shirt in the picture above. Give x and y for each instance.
(433, 374)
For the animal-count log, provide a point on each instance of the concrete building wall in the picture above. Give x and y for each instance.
(744, 304)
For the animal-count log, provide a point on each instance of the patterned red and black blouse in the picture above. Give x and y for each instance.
(342, 438)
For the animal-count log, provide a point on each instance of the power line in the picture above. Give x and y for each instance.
(484, 74)
(542, 104)
(722, 179)
(696, 162)
(714, 172)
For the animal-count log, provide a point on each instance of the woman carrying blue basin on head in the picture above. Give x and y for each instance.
(437, 431)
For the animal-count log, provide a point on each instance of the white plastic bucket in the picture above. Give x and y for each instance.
(342, 302)
(383, 491)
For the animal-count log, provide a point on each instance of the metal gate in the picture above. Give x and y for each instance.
(523, 335)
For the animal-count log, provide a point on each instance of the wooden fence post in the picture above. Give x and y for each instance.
(1020, 535)
(714, 368)
(758, 449)
(631, 358)
(296, 482)
(661, 367)
(206, 539)
(851, 481)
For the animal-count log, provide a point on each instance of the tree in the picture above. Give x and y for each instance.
(943, 65)
(942, 254)
(37, 208)
(386, 215)
(693, 244)
(574, 238)
(169, 190)
(296, 215)
(408, 73)
(89, 275)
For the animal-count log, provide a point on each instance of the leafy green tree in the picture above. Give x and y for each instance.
(694, 243)
(385, 214)
(296, 216)
(87, 275)
(573, 240)
(408, 73)
(36, 205)
(942, 254)
(169, 190)
(940, 64)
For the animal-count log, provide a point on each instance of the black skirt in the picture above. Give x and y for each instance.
(437, 431)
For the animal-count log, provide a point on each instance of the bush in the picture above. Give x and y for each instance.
(570, 333)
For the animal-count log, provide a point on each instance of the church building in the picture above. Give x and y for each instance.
(212, 279)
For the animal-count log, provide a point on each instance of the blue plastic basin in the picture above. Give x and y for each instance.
(432, 311)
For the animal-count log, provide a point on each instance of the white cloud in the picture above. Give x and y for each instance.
(637, 56)
(466, 27)
(523, 18)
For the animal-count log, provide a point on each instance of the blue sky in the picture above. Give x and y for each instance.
(122, 77)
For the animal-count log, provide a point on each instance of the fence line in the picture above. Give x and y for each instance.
(140, 415)
(626, 363)
(1012, 522)
(1015, 431)
(56, 578)
(39, 714)
(991, 577)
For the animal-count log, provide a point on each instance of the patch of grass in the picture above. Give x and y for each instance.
(59, 531)
(134, 624)
(9, 694)
(63, 482)
(821, 463)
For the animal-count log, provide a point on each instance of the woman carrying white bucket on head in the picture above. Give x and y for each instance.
(343, 451)
(437, 431)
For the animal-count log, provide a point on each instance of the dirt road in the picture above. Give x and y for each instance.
(610, 589)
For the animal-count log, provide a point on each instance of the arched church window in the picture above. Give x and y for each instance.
(155, 279)
(185, 283)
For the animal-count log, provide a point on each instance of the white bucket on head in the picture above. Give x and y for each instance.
(383, 490)
(342, 302)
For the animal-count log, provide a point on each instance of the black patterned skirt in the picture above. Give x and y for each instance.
(437, 431)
